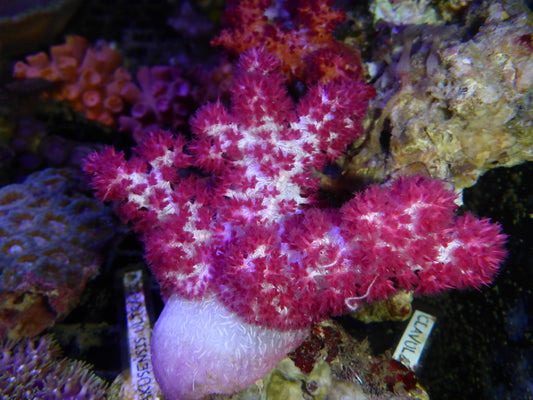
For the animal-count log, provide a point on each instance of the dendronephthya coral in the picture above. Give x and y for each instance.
(299, 33)
(450, 109)
(246, 257)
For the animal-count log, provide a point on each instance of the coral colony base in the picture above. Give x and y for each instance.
(212, 350)
(246, 258)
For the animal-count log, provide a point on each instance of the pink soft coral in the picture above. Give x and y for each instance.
(304, 43)
(165, 100)
(233, 233)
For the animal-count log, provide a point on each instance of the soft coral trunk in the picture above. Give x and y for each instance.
(199, 347)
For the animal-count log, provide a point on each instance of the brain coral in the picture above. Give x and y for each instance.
(50, 237)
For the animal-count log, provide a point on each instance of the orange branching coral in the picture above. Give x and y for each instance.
(302, 37)
(90, 80)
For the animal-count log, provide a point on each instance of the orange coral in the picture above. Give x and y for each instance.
(90, 80)
(304, 43)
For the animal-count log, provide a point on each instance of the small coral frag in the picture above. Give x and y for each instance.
(90, 80)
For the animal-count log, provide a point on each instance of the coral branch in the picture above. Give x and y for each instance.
(232, 218)
(304, 43)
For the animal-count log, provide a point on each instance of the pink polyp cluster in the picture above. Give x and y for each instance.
(233, 213)
(164, 99)
(325, 262)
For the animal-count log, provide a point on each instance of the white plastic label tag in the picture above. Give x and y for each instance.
(139, 332)
(414, 339)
